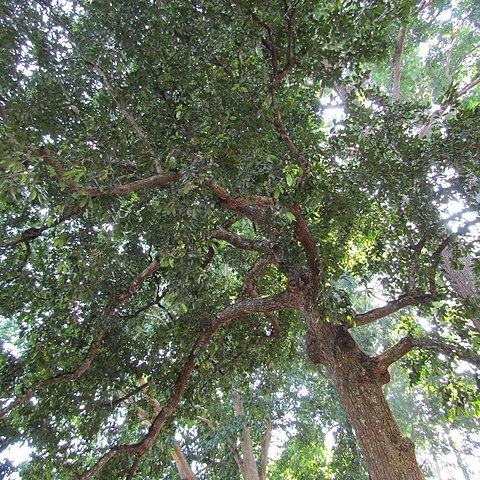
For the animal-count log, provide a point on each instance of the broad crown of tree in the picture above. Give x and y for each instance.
(177, 210)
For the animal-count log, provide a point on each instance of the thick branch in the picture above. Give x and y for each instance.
(282, 301)
(305, 237)
(388, 309)
(401, 348)
(249, 464)
(241, 242)
(250, 206)
(142, 184)
(211, 251)
(183, 466)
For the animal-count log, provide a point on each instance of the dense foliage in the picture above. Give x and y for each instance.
(174, 191)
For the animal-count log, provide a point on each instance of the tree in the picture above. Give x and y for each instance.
(176, 207)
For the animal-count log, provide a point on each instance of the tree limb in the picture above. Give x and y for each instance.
(183, 466)
(250, 206)
(142, 184)
(305, 237)
(432, 342)
(401, 348)
(249, 464)
(63, 378)
(241, 242)
(284, 300)
(391, 307)
(95, 345)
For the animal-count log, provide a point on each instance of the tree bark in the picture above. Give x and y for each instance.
(462, 280)
(181, 462)
(388, 454)
(250, 471)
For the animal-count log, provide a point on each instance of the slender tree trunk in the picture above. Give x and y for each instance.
(265, 447)
(388, 454)
(182, 464)
(250, 470)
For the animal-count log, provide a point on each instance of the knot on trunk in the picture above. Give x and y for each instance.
(345, 341)
(295, 283)
(313, 352)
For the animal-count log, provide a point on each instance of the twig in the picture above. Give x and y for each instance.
(63, 378)
(417, 249)
(437, 255)
(397, 63)
(34, 232)
(468, 87)
(129, 394)
(439, 345)
(128, 116)
(253, 273)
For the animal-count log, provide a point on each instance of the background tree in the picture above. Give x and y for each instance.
(168, 170)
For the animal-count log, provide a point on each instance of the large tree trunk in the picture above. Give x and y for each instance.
(388, 454)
